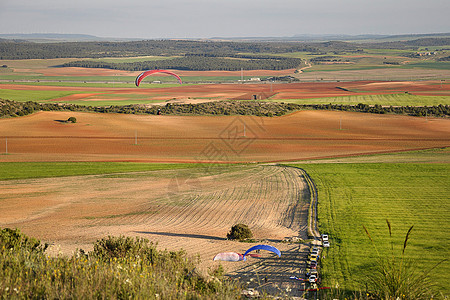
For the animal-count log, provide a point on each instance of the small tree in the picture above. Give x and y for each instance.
(72, 120)
(240, 232)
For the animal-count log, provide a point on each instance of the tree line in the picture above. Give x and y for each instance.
(10, 108)
(28, 50)
(197, 63)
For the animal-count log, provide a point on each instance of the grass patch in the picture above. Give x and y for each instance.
(113, 102)
(436, 155)
(111, 82)
(25, 170)
(434, 65)
(36, 96)
(352, 195)
(344, 67)
(384, 100)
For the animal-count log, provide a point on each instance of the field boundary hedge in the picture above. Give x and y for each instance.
(10, 108)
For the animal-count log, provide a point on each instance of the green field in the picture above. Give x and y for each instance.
(355, 194)
(24, 170)
(113, 81)
(437, 155)
(84, 81)
(441, 65)
(400, 99)
(34, 95)
(113, 102)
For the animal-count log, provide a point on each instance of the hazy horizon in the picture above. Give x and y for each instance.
(232, 18)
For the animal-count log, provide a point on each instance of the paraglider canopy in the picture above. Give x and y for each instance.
(229, 256)
(264, 247)
(149, 72)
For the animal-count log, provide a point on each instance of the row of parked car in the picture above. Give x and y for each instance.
(313, 260)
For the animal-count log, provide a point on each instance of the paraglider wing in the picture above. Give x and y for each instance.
(229, 256)
(296, 278)
(149, 72)
(264, 247)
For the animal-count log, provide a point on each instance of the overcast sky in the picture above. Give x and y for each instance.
(152, 19)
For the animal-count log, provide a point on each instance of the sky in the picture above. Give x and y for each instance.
(153, 19)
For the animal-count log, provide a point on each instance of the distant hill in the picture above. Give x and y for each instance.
(58, 37)
(362, 38)
(377, 38)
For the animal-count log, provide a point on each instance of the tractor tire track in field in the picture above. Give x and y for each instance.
(195, 215)
(272, 200)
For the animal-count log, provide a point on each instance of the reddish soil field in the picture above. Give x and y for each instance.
(208, 92)
(299, 136)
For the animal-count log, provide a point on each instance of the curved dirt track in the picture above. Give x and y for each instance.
(176, 209)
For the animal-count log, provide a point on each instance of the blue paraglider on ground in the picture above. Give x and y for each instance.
(264, 247)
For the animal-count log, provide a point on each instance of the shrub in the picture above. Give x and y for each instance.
(240, 232)
(14, 240)
(118, 268)
(124, 247)
(395, 277)
(72, 120)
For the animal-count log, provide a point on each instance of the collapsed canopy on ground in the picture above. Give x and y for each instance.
(229, 256)
(150, 72)
(264, 247)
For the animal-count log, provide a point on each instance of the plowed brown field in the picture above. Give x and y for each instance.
(298, 136)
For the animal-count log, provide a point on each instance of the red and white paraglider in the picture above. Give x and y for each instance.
(229, 256)
(150, 72)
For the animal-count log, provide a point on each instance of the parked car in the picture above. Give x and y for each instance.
(312, 278)
(326, 244)
(324, 237)
(314, 252)
(314, 258)
(313, 265)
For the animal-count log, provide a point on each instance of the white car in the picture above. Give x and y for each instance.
(312, 278)
(326, 244)
(324, 237)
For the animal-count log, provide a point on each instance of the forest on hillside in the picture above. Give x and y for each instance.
(197, 62)
(17, 49)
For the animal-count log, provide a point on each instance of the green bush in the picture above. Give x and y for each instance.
(240, 232)
(72, 120)
(14, 240)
